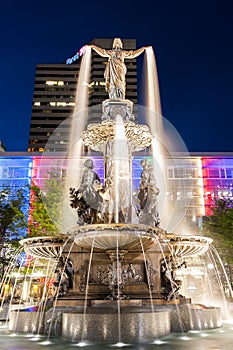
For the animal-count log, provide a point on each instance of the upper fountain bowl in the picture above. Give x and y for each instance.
(103, 237)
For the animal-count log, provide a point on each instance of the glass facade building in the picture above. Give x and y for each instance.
(192, 182)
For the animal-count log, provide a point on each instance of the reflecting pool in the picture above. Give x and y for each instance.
(218, 339)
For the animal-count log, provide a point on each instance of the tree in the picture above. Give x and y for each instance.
(13, 222)
(219, 227)
(46, 206)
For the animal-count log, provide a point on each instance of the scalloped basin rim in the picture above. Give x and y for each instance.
(192, 238)
(111, 236)
(44, 239)
(118, 227)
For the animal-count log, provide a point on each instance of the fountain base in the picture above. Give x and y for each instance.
(103, 325)
(110, 320)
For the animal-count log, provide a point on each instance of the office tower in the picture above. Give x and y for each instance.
(55, 92)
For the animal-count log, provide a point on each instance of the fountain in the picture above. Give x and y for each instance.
(116, 269)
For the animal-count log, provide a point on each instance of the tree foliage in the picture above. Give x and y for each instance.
(219, 227)
(46, 206)
(12, 217)
(13, 222)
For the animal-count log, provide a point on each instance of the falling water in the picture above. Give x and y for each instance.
(152, 94)
(6, 277)
(59, 286)
(49, 274)
(79, 120)
(24, 294)
(154, 119)
(118, 290)
(121, 172)
(165, 143)
(6, 282)
(216, 259)
(147, 274)
(215, 252)
(84, 330)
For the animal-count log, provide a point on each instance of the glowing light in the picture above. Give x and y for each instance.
(36, 338)
(159, 342)
(120, 345)
(194, 331)
(210, 266)
(81, 344)
(185, 338)
(51, 82)
(204, 335)
(76, 56)
(46, 342)
(29, 335)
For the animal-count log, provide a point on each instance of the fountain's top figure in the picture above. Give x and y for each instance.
(116, 69)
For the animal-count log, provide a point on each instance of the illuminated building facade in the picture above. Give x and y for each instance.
(55, 93)
(204, 177)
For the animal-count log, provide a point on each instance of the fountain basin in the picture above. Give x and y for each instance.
(195, 317)
(24, 321)
(103, 237)
(96, 135)
(102, 322)
(135, 325)
(48, 247)
(187, 246)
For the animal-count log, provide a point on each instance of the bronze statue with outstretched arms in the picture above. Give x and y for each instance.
(116, 69)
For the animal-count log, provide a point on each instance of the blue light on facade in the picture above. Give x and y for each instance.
(16, 173)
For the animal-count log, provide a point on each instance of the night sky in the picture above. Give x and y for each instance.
(192, 41)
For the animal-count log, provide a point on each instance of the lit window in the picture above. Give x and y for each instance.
(37, 103)
(60, 83)
(51, 82)
(63, 104)
(52, 103)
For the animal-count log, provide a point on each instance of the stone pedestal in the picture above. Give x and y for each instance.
(113, 108)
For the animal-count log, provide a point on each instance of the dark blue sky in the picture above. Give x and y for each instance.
(192, 40)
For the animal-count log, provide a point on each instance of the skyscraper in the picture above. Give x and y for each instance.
(55, 92)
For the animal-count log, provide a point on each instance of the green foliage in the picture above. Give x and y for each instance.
(12, 217)
(46, 206)
(13, 222)
(219, 227)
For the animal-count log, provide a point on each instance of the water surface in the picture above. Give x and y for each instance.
(218, 339)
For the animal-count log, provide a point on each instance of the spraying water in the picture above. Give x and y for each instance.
(79, 120)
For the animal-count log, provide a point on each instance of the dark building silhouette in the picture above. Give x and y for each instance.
(55, 93)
